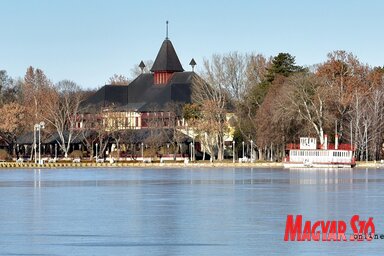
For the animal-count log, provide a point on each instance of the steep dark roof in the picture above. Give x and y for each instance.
(47, 138)
(178, 89)
(167, 59)
(142, 94)
(107, 96)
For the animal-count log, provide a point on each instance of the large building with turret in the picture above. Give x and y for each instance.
(148, 97)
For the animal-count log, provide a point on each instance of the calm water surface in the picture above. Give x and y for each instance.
(181, 211)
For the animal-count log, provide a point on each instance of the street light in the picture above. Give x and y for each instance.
(96, 152)
(191, 152)
(55, 151)
(38, 128)
(34, 142)
(243, 150)
(251, 151)
(233, 148)
(142, 151)
(41, 126)
(193, 149)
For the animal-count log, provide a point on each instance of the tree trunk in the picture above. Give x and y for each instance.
(321, 135)
(175, 148)
(204, 153)
(260, 152)
(219, 153)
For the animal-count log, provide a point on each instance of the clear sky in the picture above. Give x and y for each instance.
(89, 41)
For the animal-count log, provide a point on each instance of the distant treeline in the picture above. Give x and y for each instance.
(274, 102)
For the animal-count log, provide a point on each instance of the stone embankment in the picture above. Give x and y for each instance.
(199, 164)
(138, 165)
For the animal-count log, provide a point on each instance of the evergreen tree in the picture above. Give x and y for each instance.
(283, 64)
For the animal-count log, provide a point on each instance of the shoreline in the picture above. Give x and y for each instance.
(14, 165)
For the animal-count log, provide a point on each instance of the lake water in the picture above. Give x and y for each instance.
(182, 211)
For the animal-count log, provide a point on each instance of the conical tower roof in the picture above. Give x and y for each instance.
(167, 60)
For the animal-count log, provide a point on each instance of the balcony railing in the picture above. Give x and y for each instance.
(331, 146)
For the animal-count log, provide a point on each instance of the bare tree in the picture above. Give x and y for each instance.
(36, 84)
(10, 89)
(93, 132)
(118, 80)
(376, 107)
(171, 118)
(62, 110)
(308, 98)
(256, 69)
(34, 90)
(344, 74)
(136, 70)
(367, 118)
(212, 126)
(12, 122)
(268, 124)
(228, 72)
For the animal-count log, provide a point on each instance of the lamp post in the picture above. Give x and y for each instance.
(192, 151)
(38, 128)
(39, 144)
(55, 151)
(42, 126)
(193, 148)
(243, 150)
(233, 148)
(96, 152)
(142, 151)
(34, 142)
(251, 151)
(167, 149)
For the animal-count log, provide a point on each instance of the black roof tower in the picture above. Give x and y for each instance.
(167, 60)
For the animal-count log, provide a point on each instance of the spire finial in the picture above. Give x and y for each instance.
(193, 64)
(142, 66)
(166, 30)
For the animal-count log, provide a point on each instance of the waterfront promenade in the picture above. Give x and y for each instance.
(198, 164)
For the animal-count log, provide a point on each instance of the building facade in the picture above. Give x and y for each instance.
(150, 100)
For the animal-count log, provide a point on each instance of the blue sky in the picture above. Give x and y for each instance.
(89, 41)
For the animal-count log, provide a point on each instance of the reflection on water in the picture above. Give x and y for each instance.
(321, 175)
(330, 176)
(36, 178)
(296, 176)
(180, 211)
